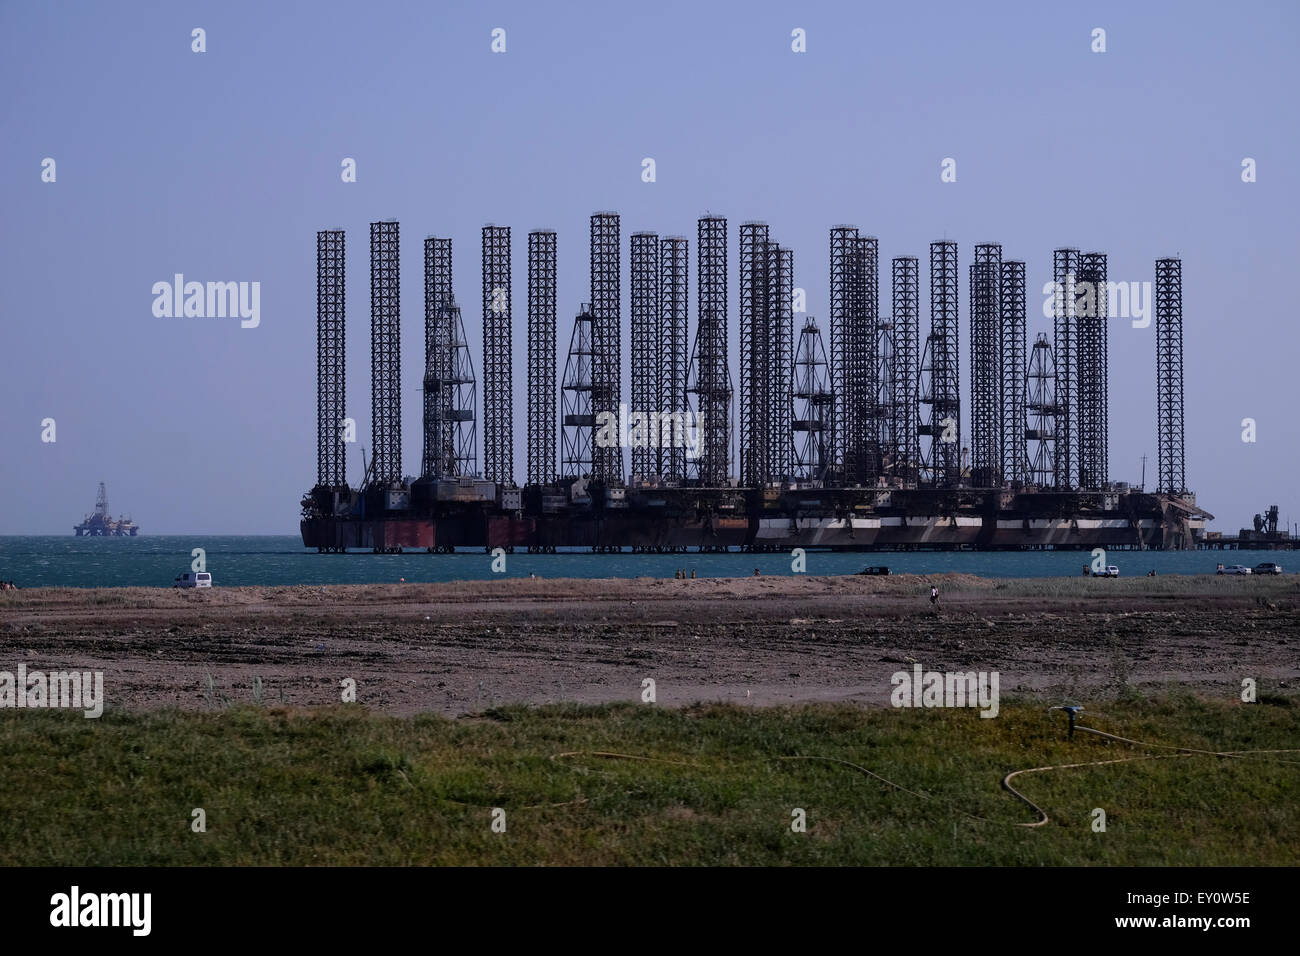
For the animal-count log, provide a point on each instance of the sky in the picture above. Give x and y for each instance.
(222, 165)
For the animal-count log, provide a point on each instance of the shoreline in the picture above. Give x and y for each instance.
(459, 648)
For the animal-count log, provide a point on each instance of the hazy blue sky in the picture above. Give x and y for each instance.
(223, 165)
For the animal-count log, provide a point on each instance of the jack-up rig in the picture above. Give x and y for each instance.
(852, 445)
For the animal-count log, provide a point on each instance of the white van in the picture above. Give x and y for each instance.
(193, 579)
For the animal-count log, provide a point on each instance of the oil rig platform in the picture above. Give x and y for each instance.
(849, 443)
(100, 524)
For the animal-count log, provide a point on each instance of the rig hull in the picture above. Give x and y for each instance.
(667, 520)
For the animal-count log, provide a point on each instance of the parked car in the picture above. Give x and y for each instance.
(1268, 567)
(1233, 569)
(875, 569)
(1110, 571)
(193, 579)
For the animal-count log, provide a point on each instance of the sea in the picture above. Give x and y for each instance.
(240, 560)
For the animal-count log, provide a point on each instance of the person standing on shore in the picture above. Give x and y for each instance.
(934, 596)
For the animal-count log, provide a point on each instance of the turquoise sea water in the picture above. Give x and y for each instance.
(153, 561)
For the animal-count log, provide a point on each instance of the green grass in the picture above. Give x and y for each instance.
(344, 786)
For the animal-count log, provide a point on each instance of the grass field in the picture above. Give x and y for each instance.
(345, 786)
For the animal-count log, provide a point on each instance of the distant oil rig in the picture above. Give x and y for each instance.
(1265, 537)
(852, 446)
(101, 525)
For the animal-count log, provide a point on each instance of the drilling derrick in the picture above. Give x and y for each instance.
(606, 341)
(541, 357)
(906, 337)
(1011, 419)
(755, 354)
(578, 422)
(331, 392)
(450, 405)
(646, 357)
(1065, 269)
(814, 405)
(928, 476)
(941, 373)
(498, 399)
(451, 435)
(710, 383)
(709, 376)
(672, 360)
(886, 396)
(1092, 378)
(1043, 411)
(385, 354)
(1169, 376)
(985, 376)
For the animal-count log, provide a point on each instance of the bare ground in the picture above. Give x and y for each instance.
(459, 648)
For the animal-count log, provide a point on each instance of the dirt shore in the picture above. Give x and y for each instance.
(459, 648)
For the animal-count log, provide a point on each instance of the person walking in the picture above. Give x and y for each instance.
(934, 596)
